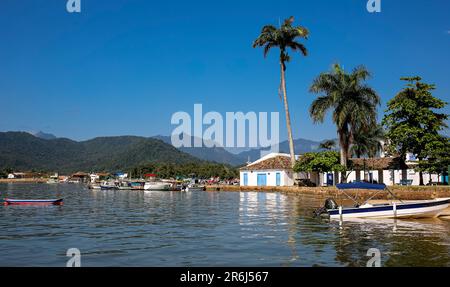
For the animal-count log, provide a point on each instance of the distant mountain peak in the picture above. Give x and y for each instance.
(45, 136)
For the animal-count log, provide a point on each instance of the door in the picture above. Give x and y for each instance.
(245, 179)
(278, 179)
(262, 179)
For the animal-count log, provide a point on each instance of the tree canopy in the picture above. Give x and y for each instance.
(324, 161)
(413, 124)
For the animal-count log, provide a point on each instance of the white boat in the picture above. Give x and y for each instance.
(156, 185)
(95, 186)
(195, 187)
(107, 185)
(416, 209)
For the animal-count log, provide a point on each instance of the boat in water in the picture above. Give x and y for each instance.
(399, 209)
(194, 187)
(131, 185)
(9, 201)
(156, 185)
(108, 185)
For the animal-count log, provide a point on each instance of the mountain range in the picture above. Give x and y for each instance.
(43, 151)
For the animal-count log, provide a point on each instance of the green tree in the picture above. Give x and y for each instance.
(352, 102)
(320, 162)
(284, 38)
(413, 123)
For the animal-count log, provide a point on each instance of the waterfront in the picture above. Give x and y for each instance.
(136, 228)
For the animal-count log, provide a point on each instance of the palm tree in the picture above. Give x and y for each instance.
(367, 141)
(283, 38)
(353, 103)
(327, 144)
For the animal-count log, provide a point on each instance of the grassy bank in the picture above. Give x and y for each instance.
(401, 192)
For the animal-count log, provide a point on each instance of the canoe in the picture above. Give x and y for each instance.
(8, 201)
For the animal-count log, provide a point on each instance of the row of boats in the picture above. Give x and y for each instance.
(147, 185)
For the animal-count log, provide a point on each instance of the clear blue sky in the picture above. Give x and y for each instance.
(123, 67)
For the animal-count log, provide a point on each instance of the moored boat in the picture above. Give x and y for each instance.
(9, 201)
(108, 185)
(413, 209)
(156, 185)
(195, 187)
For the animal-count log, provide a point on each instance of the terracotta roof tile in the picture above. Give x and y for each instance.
(277, 162)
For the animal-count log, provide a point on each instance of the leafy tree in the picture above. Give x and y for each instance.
(413, 123)
(327, 144)
(320, 162)
(352, 102)
(284, 38)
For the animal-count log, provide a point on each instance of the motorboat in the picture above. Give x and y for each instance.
(108, 185)
(394, 209)
(195, 187)
(131, 185)
(156, 185)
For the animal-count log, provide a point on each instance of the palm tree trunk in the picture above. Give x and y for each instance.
(288, 118)
(344, 154)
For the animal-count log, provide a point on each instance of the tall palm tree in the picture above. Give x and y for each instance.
(285, 37)
(353, 103)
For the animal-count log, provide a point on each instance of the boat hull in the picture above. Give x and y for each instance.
(424, 209)
(196, 188)
(33, 201)
(157, 186)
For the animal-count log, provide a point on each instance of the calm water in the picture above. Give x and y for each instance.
(136, 228)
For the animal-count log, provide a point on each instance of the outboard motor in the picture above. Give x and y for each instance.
(329, 204)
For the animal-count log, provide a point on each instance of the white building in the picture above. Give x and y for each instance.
(275, 170)
(271, 170)
(387, 170)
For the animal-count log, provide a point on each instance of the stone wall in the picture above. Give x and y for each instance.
(401, 192)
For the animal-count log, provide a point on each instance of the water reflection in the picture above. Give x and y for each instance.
(135, 228)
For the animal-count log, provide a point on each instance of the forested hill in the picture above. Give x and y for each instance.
(23, 151)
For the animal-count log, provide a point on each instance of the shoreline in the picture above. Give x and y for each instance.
(23, 180)
(401, 192)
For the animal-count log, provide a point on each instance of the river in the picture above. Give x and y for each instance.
(137, 228)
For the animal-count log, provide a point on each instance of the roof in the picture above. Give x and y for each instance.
(273, 163)
(378, 163)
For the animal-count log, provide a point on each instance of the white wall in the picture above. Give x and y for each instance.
(391, 177)
(286, 178)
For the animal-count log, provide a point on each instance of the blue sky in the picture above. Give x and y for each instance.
(123, 67)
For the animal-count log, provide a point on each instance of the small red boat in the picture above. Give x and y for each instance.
(8, 201)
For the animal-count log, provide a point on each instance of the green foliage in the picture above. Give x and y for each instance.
(202, 170)
(412, 123)
(325, 161)
(352, 102)
(283, 38)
